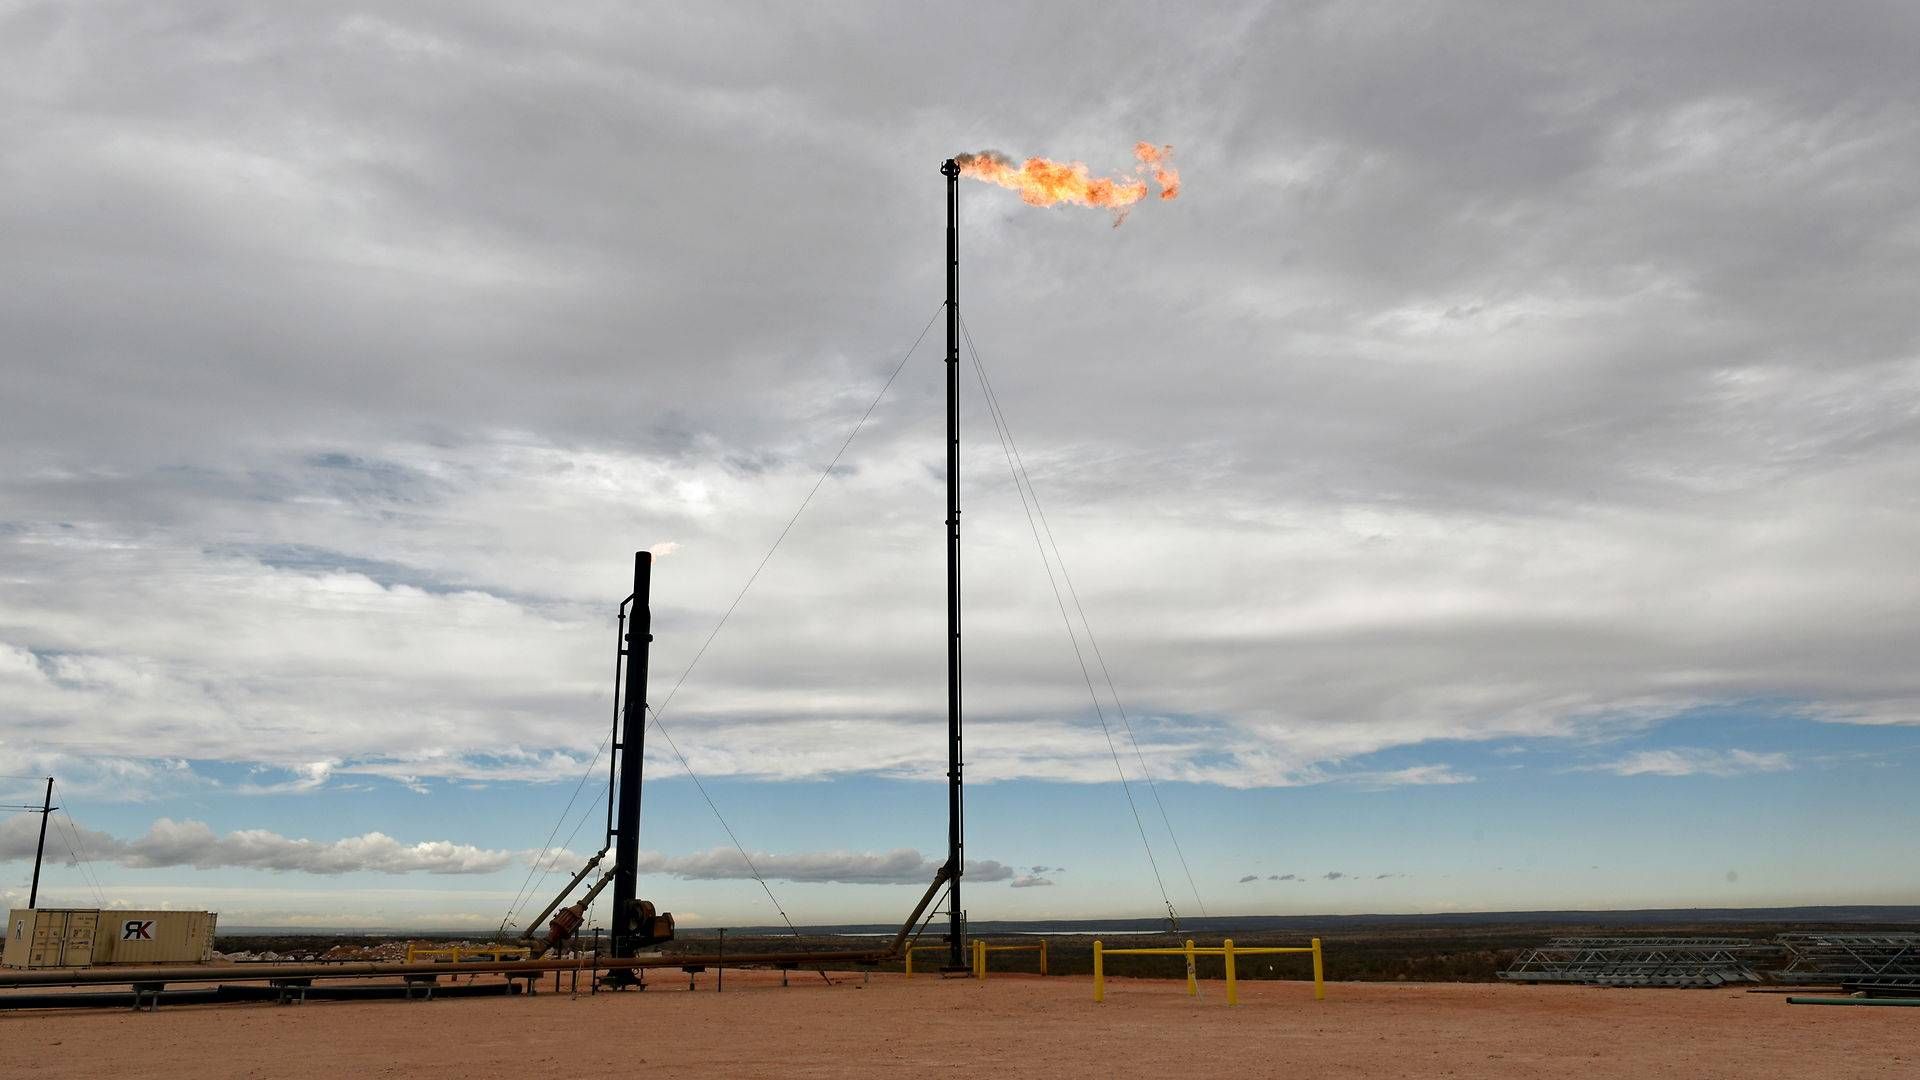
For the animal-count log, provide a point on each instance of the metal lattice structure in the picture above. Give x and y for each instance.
(1853, 961)
(1646, 961)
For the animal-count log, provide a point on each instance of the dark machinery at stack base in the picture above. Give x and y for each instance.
(637, 924)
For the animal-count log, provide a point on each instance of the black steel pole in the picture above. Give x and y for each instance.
(619, 683)
(956, 843)
(46, 811)
(631, 747)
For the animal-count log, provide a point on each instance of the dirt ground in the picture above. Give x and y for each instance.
(1009, 1025)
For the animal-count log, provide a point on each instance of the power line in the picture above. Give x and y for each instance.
(70, 836)
(1018, 464)
(86, 863)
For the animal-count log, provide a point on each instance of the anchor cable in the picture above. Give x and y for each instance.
(1018, 467)
(801, 509)
(715, 632)
(737, 846)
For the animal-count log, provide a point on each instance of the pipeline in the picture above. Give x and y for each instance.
(217, 973)
(228, 973)
(1907, 1002)
(231, 993)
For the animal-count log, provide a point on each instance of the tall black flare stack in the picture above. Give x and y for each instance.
(629, 933)
(956, 843)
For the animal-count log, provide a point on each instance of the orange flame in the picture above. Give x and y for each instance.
(1042, 182)
(1155, 158)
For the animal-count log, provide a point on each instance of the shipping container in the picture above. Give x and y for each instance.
(154, 937)
(50, 937)
(79, 937)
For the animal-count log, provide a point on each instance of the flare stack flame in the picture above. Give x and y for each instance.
(1043, 182)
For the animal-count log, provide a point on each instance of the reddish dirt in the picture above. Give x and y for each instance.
(1009, 1025)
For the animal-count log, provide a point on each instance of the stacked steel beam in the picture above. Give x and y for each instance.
(1853, 961)
(1645, 961)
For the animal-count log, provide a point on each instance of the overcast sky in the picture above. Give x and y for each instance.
(1515, 419)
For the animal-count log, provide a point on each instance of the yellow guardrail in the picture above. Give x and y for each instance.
(454, 953)
(1226, 951)
(911, 949)
(981, 949)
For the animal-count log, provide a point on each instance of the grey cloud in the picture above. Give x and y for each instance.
(1249, 877)
(1029, 881)
(1283, 877)
(1332, 875)
(901, 866)
(314, 561)
(1482, 351)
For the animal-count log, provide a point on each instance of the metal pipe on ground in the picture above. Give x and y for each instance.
(239, 973)
(229, 993)
(228, 973)
(1902, 1002)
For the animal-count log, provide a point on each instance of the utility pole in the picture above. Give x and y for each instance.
(956, 865)
(46, 811)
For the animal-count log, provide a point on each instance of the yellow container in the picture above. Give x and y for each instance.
(50, 937)
(154, 937)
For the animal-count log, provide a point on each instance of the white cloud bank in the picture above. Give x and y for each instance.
(169, 843)
(1691, 761)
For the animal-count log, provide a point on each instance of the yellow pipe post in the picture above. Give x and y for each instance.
(1319, 974)
(979, 959)
(1233, 985)
(1193, 983)
(909, 961)
(1099, 974)
(1043, 956)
